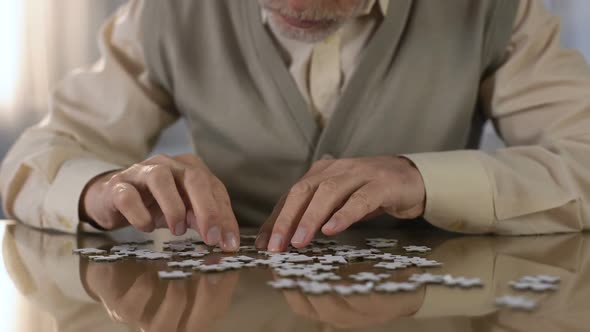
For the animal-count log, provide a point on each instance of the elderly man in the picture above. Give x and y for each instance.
(339, 110)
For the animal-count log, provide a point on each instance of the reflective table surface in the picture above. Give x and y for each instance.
(44, 287)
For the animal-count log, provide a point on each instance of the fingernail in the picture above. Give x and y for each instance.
(330, 225)
(261, 240)
(230, 241)
(276, 242)
(213, 235)
(180, 228)
(299, 236)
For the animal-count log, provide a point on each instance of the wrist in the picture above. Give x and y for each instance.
(89, 209)
(417, 189)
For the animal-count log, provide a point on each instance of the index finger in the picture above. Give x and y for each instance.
(295, 204)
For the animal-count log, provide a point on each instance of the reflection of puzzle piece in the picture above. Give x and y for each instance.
(326, 276)
(369, 276)
(283, 283)
(106, 259)
(427, 278)
(191, 263)
(153, 256)
(540, 279)
(427, 263)
(534, 286)
(320, 267)
(462, 282)
(193, 253)
(421, 249)
(212, 268)
(89, 251)
(393, 287)
(544, 278)
(345, 290)
(314, 287)
(298, 258)
(173, 274)
(292, 272)
(392, 265)
(516, 302)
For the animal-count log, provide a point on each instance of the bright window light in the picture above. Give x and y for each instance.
(10, 37)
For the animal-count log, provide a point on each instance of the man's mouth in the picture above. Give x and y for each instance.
(302, 23)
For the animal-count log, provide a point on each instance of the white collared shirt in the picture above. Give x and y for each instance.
(354, 37)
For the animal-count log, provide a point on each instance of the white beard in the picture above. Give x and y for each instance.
(303, 35)
(333, 20)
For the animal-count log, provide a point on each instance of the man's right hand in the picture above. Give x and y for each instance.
(164, 192)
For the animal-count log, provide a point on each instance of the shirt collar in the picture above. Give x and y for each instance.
(383, 6)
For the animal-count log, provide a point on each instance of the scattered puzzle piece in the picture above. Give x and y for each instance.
(369, 276)
(89, 251)
(421, 249)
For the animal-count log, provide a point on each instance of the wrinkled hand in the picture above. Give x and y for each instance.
(343, 192)
(164, 192)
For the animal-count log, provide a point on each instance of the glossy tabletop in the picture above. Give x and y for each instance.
(43, 287)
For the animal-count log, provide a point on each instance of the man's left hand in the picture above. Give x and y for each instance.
(343, 192)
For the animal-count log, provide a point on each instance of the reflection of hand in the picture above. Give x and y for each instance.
(335, 194)
(134, 295)
(357, 311)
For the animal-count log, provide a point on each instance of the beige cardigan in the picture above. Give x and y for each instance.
(416, 92)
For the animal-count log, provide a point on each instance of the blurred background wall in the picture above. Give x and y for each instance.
(42, 40)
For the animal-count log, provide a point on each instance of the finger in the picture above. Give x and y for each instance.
(191, 220)
(294, 207)
(161, 184)
(361, 203)
(266, 229)
(189, 159)
(331, 194)
(128, 202)
(197, 185)
(231, 233)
